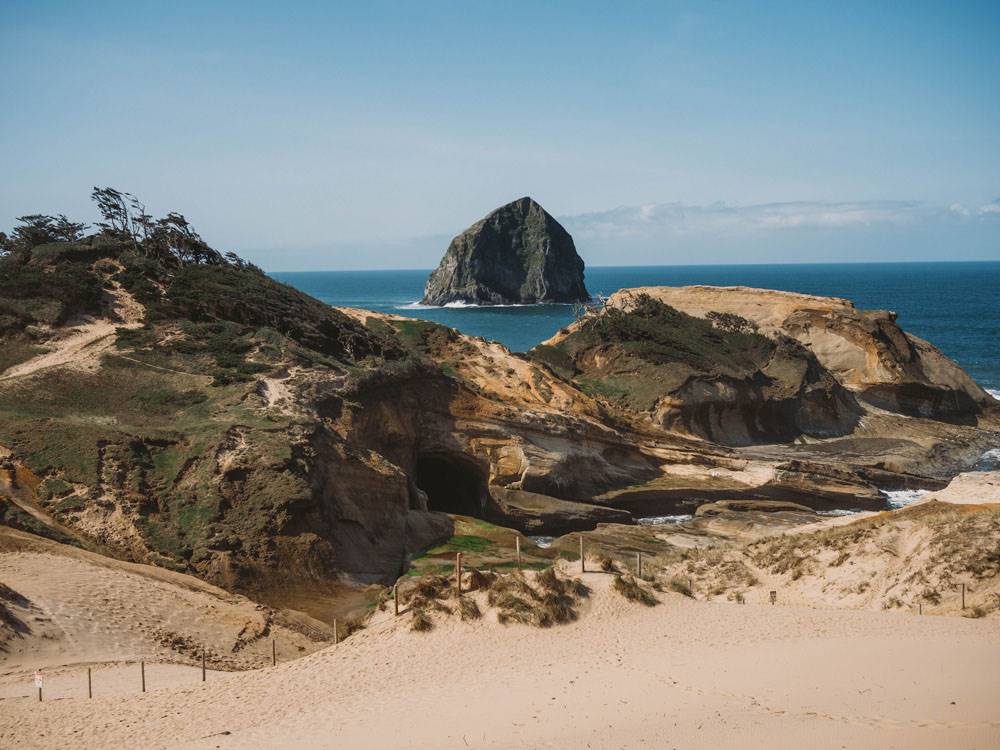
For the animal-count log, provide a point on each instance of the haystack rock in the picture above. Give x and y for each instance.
(518, 254)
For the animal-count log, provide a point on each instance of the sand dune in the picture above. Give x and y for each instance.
(70, 607)
(682, 674)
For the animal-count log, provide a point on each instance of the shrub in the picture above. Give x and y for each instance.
(680, 586)
(420, 622)
(628, 587)
(468, 609)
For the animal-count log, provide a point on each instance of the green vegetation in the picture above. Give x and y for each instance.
(659, 334)
(15, 352)
(652, 349)
(631, 589)
(12, 515)
(462, 543)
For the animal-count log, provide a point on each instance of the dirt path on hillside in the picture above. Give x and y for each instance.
(82, 349)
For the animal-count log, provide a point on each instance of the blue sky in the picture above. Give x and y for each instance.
(364, 135)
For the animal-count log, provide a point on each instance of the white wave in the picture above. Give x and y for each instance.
(460, 305)
(989, 461)
(839, 512)
(902, 498)
(658, 520)
(543, 541)
(993, 392)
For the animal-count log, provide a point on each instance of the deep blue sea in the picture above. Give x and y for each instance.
(955, 306)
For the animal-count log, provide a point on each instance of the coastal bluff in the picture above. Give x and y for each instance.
(517, 254)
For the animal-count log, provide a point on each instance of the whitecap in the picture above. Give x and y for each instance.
(989, 461)
(659, 520)
(993, 392)
(839, 512)
(902, 498)
(543, 541)
(461, 305)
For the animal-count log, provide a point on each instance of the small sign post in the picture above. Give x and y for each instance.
(583, 564)
(38, 683)
(517, 547)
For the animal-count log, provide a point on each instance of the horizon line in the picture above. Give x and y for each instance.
(676, 265)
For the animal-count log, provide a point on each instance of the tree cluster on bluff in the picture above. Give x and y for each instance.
(170, 240)
(52, 272)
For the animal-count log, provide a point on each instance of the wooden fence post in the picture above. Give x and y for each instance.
(638, 565)
(583, 564)
(963, 596)
(202, 664)
(90, 687)
(517, 546)
(274, 654)
(774, 597)
(336, 635)
(142, 671)
(395, 599)
(458, 572)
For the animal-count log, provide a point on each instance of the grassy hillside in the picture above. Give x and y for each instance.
(165, 449)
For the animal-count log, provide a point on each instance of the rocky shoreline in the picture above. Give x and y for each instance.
(242, 432)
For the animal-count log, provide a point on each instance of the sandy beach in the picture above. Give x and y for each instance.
(681, 674)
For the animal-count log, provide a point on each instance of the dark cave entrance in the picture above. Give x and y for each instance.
(453, 483)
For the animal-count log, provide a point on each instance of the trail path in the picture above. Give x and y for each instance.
(83, 349)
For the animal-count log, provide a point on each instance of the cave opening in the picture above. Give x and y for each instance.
(453, 483)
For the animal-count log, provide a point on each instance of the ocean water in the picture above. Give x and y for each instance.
(955, 306)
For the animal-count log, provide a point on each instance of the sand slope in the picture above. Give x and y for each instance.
(71, 607)
(682, 674)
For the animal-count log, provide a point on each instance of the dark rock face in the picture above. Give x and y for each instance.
(517, 254)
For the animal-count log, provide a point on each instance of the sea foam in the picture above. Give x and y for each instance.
(902, 498)
(659, 520)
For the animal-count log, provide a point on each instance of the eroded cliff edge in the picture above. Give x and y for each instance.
(226, 425)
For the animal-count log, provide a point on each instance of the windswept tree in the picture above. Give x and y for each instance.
(39, 229)
(170, 240)
(173, 235)
(114, 207)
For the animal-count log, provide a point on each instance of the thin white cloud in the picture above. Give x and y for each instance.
(675, 219)
(990, 208)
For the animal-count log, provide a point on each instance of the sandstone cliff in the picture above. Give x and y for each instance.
(516, 254)
(866, 351)
(724, 382)
(238, 430)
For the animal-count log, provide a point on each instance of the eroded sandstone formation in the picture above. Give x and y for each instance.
(252, 436)
(866, 350)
